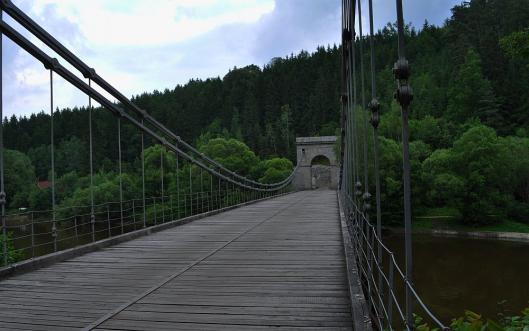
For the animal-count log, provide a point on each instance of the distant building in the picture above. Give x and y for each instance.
(43, 184)
(317, 163)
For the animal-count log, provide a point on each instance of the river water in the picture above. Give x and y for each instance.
(457, 274)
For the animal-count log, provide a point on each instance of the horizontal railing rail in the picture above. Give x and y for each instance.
(379, 280)
(32, 235)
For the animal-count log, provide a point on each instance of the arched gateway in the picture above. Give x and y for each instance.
(318, 167)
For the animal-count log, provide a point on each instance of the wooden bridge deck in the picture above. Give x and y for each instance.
(276, 263)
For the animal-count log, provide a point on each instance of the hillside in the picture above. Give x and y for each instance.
(470, 144)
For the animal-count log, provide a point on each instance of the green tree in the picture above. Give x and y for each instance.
(516, 45)
(477, 158)
(277, 169)
(470, 93)
(231, 153)
(154, 156)
(20, 178)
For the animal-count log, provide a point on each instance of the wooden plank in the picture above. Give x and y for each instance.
(277, 263)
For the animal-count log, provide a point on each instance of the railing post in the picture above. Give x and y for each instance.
(218, 194)
(162, 172)
(171, 206)
(190, 191)
(120, 176)
(2, 188)
(201, 190)
(178, 187)
(185, 204)
(75, 227)
(32, 230)
(54, 233)
(404, 96)
(143, 177)
(133, 214)
(390, 291)
(90, 136)
(108, 220)
(154, 203)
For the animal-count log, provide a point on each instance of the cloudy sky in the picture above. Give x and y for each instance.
(142, 45)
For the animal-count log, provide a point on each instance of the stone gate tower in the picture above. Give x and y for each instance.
(318, 165)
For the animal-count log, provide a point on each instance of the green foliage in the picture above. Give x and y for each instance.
(12, 254)
(277, 169)
(516, 45)
(20, 179)
(475, 322)
(470, 94)
(469, 142)
(231, 153)
(155, 157)
(472, 321)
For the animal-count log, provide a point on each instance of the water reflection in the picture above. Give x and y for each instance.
(455, 274)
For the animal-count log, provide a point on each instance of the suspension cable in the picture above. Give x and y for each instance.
(374, 107)
(54, 225)
(404, 96)
(366, 196)
(143, 177)
(120, 174)
(24, 20)
(2, 188)
(90, 135)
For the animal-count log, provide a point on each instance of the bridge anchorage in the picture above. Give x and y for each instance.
(277, 260)
(317, 163)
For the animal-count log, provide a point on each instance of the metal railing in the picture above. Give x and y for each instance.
(60, 229)
(382, 279)
(32, 234)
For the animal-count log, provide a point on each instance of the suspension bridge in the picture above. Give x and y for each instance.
(233, 254)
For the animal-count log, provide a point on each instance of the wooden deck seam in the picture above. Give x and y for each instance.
(181, 271)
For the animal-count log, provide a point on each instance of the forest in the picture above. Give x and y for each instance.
(469, 120)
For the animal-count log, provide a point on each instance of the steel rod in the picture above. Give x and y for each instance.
(2, 184)
(54, 225)
(120, 176)
(143, 177)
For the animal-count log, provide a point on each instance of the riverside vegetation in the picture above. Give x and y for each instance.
(469, 138)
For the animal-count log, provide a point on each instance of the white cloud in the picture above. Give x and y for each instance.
(142, 45)
(146, 23)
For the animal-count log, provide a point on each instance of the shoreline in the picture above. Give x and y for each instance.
(507, 236)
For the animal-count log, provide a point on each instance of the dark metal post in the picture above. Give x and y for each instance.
(190, 191)
(120, 176)
(374, 106)
(171, 206)
(143, 177)
(54, 225)
(404, 96)
(32, 228)
(75, 227)
(366, 196)
(390, 291)
(134, 214)
(92, 210)
(227, 195)
(2, 188)
(161, 170)
(178, 187)
(201, 190)
(108, 220)
(154, 203)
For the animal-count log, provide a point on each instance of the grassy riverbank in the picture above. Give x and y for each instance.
(443, 219)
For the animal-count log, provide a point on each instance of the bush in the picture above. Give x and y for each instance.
(12, 254)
